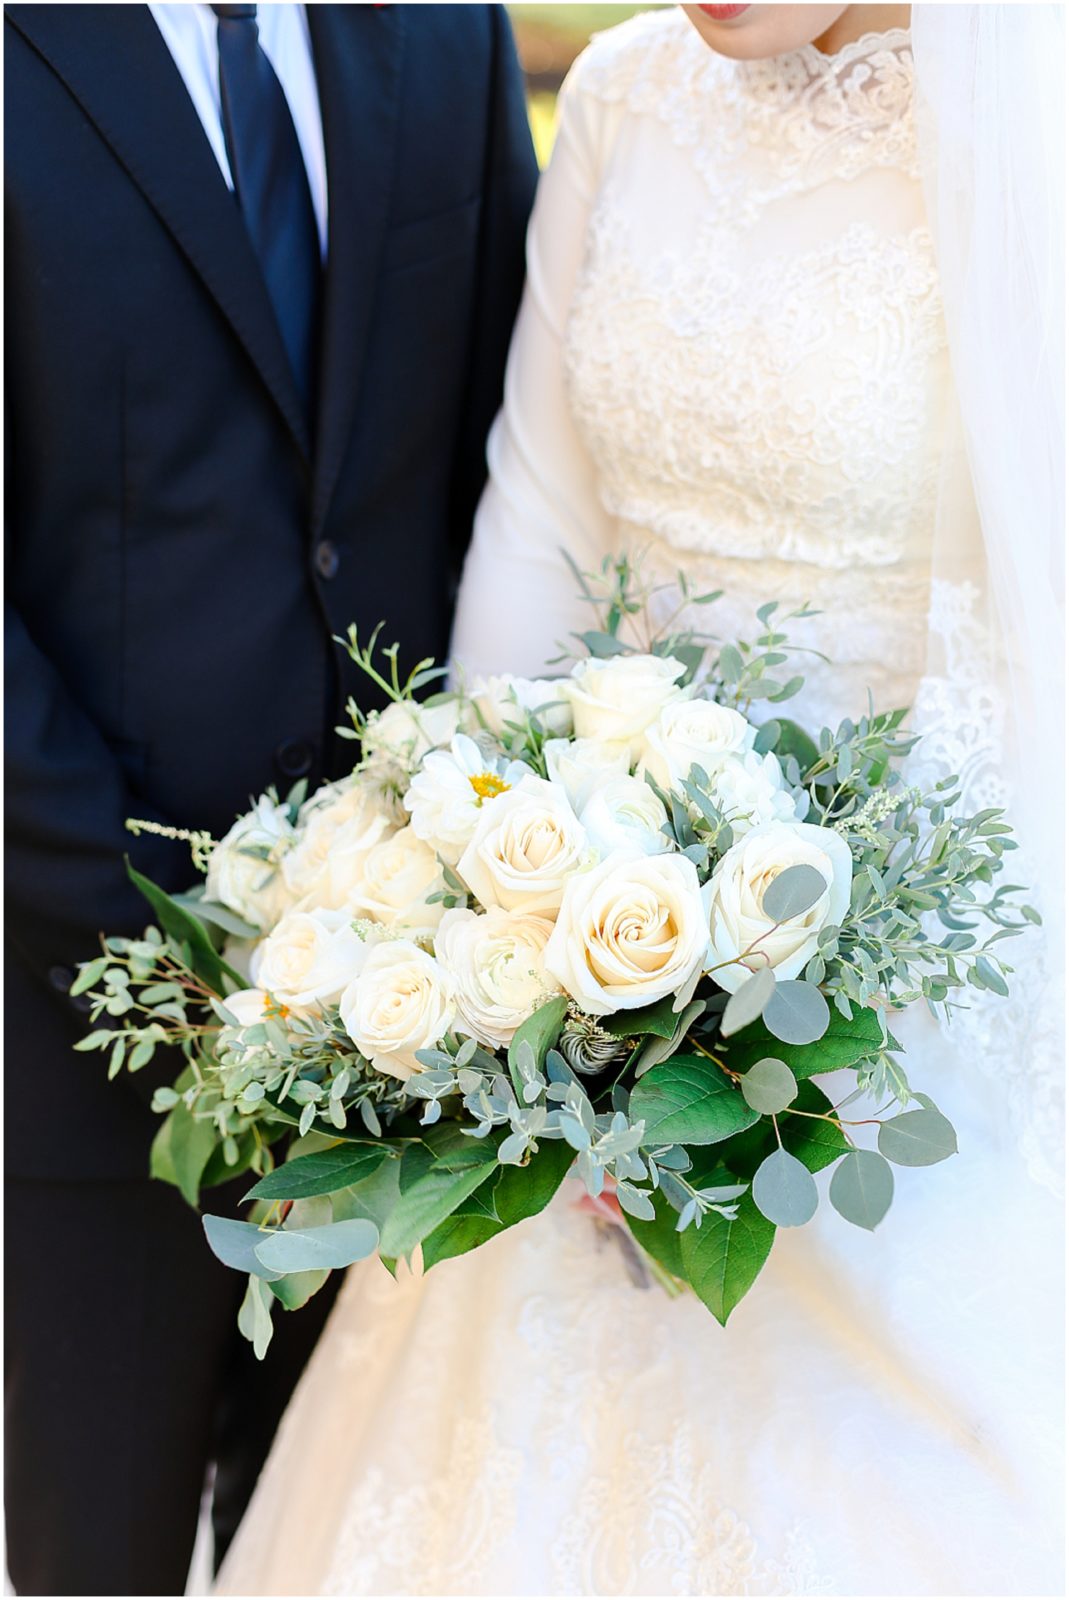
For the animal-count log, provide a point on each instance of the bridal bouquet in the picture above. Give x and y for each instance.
(612, 924)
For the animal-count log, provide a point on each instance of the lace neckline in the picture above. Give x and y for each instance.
(874, 72)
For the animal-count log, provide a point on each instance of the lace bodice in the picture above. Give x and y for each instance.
(754, 353)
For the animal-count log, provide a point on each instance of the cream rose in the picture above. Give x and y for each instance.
(502, 700)
(339, 828)
(448, 792)
(399, 873)
(309, 958)
(693, 733)
(617, 699)
(402, 1001)
(749, 790)
(248, 1006)
(579, 766)
(526, 843)
(737, 888)
(625, 814)
(407, 729)
(496, 961)
(629, 932)
(243, 869)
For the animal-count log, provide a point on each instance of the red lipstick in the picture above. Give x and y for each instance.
(723, 13)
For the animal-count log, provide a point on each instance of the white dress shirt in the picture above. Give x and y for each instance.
(191, 35)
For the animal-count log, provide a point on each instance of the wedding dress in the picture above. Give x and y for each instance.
(732, 355)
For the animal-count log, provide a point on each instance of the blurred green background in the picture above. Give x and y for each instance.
(549, 38)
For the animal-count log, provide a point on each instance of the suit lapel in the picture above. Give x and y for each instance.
(358, 52)
(115, 63)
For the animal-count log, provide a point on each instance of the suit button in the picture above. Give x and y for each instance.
(327, 559)
(294, 758)
(61, 978)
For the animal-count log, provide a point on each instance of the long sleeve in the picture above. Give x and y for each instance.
(518, 597)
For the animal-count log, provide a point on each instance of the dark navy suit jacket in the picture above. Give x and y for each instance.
(179, 551)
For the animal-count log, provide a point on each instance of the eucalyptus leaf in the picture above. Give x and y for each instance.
(862, 1188)
(235, 1245)
(793, 891)
(917, 1138)
(337, 1245)
(797, 1012)
(748, 1001)
(254, 1317)
(783, 1190)
(846, 1041)
(297, 1288)
(770, 1086)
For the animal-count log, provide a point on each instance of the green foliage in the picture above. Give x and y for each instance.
(845, 1042)
(688, 1100)
(862, 1188)
(721, 1259)
(323, 1172)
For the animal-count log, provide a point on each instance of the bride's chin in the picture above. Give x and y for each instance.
(754, 32)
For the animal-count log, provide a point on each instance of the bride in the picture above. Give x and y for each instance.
(735, 354)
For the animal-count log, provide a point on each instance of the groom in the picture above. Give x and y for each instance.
(261, 275)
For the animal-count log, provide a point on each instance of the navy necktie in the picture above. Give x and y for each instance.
(271, 185)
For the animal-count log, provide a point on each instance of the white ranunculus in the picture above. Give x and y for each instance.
(581, 765)
(402, 1001)
(339, 827)
(629, 932)
(525, 845)
(399, 873)
(617, 699)
(310, 958)
(625, 814)
(496, 961)
(750, 790)
(449, 790)
(503, 699)
(243, 870)
(407, 729)
(737, 921)
(693, 733)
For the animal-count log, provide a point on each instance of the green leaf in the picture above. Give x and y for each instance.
(797, 1012)
(182, 1149)
(748, 1001)
(917, 1138)
(721, 1259)
(321, 1173)
(814, 1140)
(297, 1288)
(218, 1170)
(688, 1100)
(660, 1018)
(235, 1245)
(793, 891)
(659, 1237)
(794, 741)
(522, 1192)
(218, 915)
(373, 1198)
(769, 1086)
(841, 1045)
(336, 1245)
(187, 929)
(427, 1203)
(254, 1317)
(862, 1188)
(783, 1190)
(539, 1031)
(456, 1236)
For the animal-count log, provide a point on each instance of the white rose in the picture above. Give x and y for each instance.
(243, 868)
(502, 700)
(309, 958)
(339, 827)
(407, 729)
(689, 733)
(526, 843)
(401, 1002)
(749, 790)
(580, 765)
(449, 790)
(399, 874)
(737, 888)
(618, 698)
(629, 932)
(625, 814)
(496, 961)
